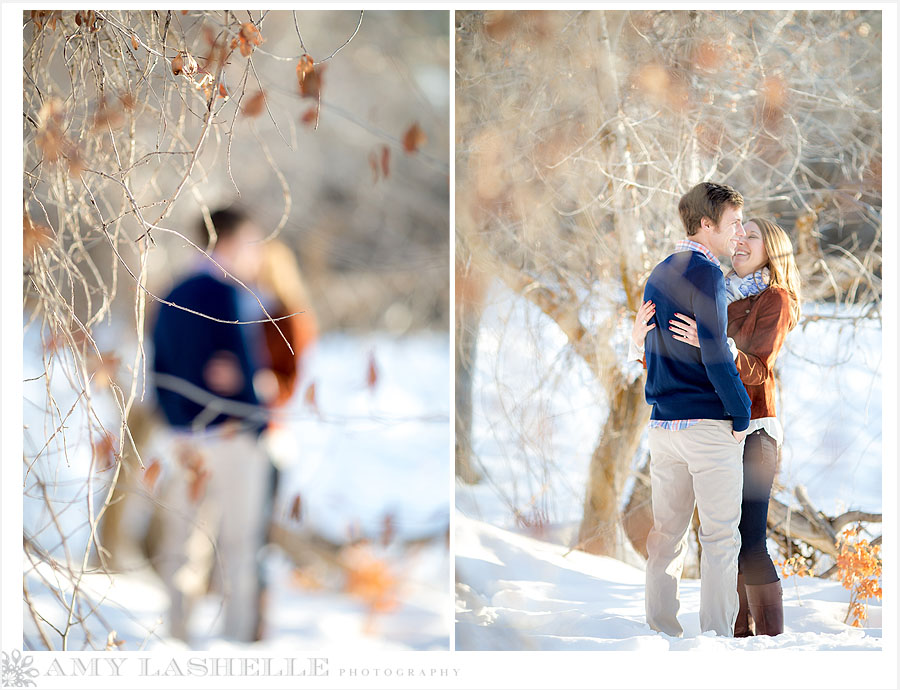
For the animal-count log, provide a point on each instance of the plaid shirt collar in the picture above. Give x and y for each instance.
(690, 245)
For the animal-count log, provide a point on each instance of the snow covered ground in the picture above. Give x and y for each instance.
(374, 452)
(537, 415)
(518, 593)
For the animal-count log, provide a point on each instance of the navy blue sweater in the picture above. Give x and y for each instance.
(183, 344)
(684, 382)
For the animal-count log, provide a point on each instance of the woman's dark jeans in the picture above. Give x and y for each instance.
(760, 467)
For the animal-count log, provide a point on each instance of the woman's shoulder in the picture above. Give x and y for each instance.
(775, 294)
(774, 300)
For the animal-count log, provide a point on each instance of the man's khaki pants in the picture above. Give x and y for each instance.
(699, 465)
(214, 521)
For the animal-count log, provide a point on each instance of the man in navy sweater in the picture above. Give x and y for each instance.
(700, 413)
(204, 366)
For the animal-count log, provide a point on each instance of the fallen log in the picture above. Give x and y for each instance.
(810, 526)
(786, 523)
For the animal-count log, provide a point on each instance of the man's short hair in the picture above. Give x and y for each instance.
(226, 222)
(707, 200)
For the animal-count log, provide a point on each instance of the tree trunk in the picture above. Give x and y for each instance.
(637, 517)
(470, 291)
(115, 534)
(600, 525)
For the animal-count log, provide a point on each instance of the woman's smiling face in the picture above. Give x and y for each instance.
(749, 251)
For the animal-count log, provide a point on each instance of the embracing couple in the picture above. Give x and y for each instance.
(709, 341)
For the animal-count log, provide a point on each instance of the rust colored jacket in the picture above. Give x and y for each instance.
(759, 324)
(301, 331)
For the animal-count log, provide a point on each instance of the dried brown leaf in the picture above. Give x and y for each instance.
(151, 474)
(103, 368)
(372, 372)
(309, 77)
(104, 451)
(34, 235)
(107, 117)
(254, 106)
(296, 508)
(310, 117)
(370, 578)
(385, 161)
(250, 33)
(304, 66)
(414, 138)
(309, 397)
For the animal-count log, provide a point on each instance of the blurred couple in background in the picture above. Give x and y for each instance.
(228, 349)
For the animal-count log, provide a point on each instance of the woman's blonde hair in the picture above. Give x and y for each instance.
(280, 275)
(783, 267)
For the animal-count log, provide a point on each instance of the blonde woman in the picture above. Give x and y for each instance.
(279, 276)
(763, 293)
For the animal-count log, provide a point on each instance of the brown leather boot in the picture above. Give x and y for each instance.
(766, 608)
(743, 626)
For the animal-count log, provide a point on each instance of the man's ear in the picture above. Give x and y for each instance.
(706, 223)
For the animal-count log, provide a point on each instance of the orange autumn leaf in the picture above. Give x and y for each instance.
(309, 77)
(184, 63)
(250, 33)
(311, 116)
(372, 372)
(248, 38)
(312, 85)
(134, 42)
(222, 92)
(254, 105)
(39, 17)
(304, 66)
(88, 19)
(34, 235)
(104, 451)
(151, 474)
(197, 486)
(296, 508)
(414, 138)
(859, 569)
(102, 368)
(309, 397)
(107, 117)
(51, 139)
(370, 579)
